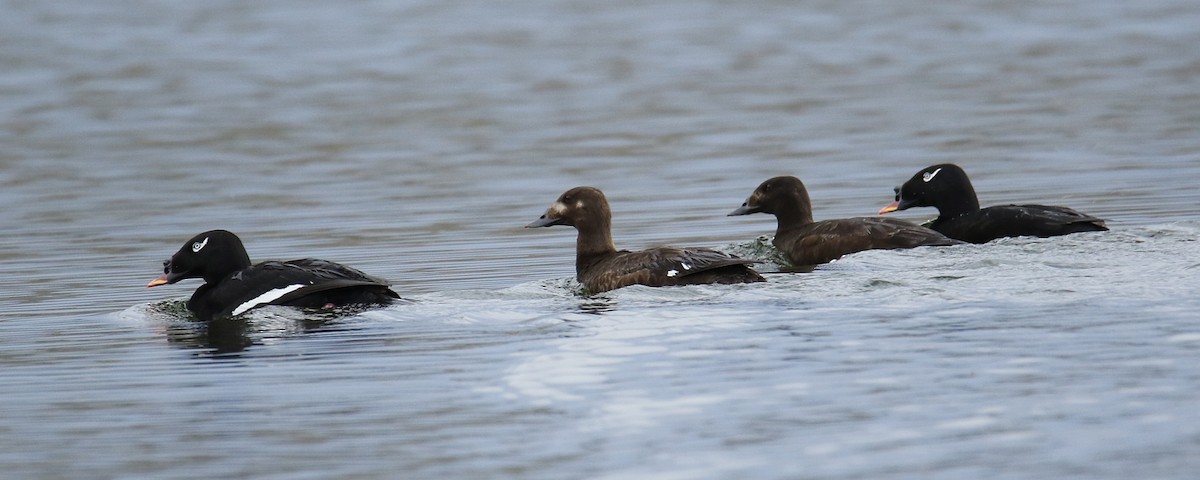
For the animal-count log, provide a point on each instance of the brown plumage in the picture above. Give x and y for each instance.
(600, 267)
(806, 242)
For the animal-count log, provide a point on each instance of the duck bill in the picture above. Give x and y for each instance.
(162, 280)
(745, 209)
(545, 221)
(167, 278)
(891, 207)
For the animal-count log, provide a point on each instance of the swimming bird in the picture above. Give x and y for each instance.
(947, 188)
(600, 267)
(807, 243)
(233, 286)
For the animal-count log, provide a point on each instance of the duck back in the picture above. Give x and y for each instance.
(827, 240)
(1001, 221)
(305, 283)
(665, 266)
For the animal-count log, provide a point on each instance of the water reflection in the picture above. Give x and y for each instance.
(226, 336)
(597, 305)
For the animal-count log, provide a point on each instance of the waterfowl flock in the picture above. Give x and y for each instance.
(233, 285)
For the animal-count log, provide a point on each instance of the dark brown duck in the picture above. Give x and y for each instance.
(947, 188)
(807, 243)
(600, 267)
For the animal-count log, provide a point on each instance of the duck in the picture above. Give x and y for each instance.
(807, 243)
(947, 188)
(600, 267)
(232, 285)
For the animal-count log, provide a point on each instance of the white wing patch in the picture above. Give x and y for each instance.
(929, 175)
(268, 297)
(196, 247)
(685, 265)
(672, 273)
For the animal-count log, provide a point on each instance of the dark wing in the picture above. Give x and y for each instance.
(1061, 218)
(828, 240)
(329, 276)
(665, 266)
(1020, 220)
(890, 232)
(305, 283)
(685, 262)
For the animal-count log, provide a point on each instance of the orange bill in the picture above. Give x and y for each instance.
(890, 208)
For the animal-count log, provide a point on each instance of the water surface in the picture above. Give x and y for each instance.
(413, 140)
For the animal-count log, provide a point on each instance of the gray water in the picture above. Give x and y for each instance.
(413, 140)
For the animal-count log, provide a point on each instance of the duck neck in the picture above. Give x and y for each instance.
(793, 214)
(234, 262)
(593, 242)
(960, 201)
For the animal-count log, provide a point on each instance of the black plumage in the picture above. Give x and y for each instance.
(947, 188)
(806, 242)
(600, 267)
(233, 286)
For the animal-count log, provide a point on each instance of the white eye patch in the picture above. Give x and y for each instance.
(558, 208)
(196, 247)
(929, 175)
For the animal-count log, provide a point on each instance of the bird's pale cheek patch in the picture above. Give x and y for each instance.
(558, 208)
(579, 204)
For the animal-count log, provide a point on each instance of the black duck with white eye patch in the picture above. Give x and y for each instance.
(947, 188)
(600, 267)
(233, 285)
(807, 243)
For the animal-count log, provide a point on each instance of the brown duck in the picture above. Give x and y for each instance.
(807, 243)
(600, 267)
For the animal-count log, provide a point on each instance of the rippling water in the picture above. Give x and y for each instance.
(414, 139)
